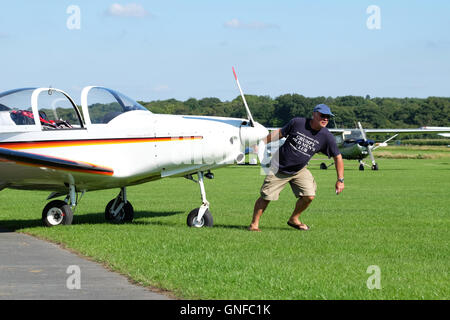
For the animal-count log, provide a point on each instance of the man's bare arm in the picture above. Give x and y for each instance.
(275, 135)
(339, 164)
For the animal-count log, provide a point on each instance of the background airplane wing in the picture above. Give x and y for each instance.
(398, 130)
(411, 130)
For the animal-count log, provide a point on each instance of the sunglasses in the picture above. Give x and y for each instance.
(325, 116)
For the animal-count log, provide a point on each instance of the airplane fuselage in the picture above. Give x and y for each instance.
(353, 151)
(137, 146)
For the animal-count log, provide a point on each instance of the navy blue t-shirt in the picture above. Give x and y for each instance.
(302, 142)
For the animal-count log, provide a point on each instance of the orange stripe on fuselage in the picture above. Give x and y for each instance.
(63, 169)
(88, 142)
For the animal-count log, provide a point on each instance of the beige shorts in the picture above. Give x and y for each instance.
(302, 184)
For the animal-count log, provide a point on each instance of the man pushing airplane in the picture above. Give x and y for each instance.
(304, 138)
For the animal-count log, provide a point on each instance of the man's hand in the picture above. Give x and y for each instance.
(273, 136)
(339, 187)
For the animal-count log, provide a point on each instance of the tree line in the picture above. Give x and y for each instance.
(275, 112)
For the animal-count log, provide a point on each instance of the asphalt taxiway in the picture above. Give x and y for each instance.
(33, 269)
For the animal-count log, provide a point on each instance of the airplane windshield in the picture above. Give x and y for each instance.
(56, 111)
(106, 104)
(15, 107)
(353, 135)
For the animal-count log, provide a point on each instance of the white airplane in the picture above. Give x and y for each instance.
(46, 143)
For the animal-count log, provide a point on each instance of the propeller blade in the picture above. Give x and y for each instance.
(249, 115)
(363, 133)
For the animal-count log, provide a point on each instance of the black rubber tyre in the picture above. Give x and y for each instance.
(323, 166)
(57, 212)
(375, 167)
(207, 219)
(361, 167)
(126, 214)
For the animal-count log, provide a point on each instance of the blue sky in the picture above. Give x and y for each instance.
(153, 50)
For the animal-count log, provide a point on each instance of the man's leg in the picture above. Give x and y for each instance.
(300, 206)
(271, 188)
(260, 206)
(304, 187)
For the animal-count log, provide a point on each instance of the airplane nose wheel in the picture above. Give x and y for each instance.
(201, 217)
(205, 221)
(56, 213)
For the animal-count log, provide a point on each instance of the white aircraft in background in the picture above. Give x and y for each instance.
(46, 143)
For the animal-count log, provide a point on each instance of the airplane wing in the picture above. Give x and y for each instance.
(32, 159)
(401, 130)
(412, 130)
(26, 170)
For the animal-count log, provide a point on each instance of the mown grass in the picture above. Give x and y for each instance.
(413, 152)
(396, 218)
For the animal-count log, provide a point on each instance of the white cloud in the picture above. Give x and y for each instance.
(133, 10)
(257, 25)
(233, 23)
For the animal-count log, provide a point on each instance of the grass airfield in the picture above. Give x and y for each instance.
(396, 219)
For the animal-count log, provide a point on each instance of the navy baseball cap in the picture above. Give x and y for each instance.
(323, 109)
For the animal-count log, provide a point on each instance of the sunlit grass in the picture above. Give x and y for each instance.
(396, 218)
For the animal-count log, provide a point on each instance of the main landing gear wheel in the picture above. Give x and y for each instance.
(119, 209)
(323, 166)
(57, 212)
(115, 214)
(361, 167)
(205, 221)
(375, 166)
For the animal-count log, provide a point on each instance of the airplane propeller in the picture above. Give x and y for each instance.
(257, 132)
(249, 115)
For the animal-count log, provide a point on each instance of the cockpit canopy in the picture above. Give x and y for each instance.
(48, 108)
(104, 104)
(36, 108)
(352, 136)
